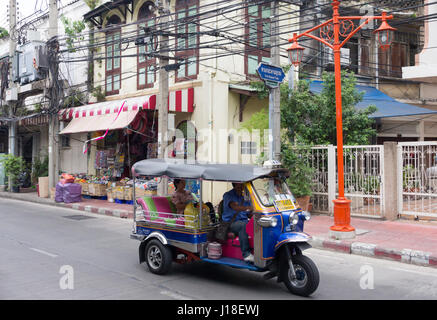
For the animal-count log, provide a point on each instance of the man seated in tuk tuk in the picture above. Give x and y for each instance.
(236, 208)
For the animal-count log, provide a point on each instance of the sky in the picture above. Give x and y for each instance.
(25, 7)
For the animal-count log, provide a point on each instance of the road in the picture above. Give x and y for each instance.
(40, 246)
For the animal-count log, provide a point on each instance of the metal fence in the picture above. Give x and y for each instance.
(363, 174)
(417, 172)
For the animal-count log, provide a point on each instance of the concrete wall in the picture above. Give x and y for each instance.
(72, 159)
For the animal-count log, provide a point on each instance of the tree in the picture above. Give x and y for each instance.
(3, 33)
(73, 30)
(311, 119)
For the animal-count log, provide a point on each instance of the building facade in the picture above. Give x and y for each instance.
(218, 45)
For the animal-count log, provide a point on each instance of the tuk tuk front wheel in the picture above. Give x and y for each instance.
(158, 257)
(307, 276)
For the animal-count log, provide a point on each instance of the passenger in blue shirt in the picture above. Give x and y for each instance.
(234, 204)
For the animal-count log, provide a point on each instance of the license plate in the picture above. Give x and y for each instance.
(284, 205)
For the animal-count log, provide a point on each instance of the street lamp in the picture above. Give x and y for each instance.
(330, 33)
(385, 33)
(295, 52)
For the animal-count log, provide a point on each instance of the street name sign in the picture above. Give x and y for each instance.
(272, 75)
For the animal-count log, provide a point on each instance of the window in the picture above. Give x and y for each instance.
(257, 37)
(397, 56)
(187, 47)
(248, 147)
(113, 59)
(146, 65)
(65, 141)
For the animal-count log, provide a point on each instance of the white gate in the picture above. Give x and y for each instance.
(363, 179)
(417, 178)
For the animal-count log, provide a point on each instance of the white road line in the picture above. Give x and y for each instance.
(174, 295)
(44, 252)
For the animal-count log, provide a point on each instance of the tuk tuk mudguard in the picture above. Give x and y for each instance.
(154, 235)
(298, 239)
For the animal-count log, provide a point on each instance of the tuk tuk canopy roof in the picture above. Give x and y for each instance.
(181, 169)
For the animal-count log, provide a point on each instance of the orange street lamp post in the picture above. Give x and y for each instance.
(330, 33)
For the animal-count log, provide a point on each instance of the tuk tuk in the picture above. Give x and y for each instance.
(275, 230)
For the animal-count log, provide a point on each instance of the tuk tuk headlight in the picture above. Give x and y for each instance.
(268, 222)
(306, 215)
(294, 218)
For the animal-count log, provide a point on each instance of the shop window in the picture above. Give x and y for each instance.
(113, 58)
(257, 48)
(187, 47)
(248, 147)
(146, 65)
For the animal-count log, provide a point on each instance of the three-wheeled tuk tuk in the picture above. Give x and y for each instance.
(275, 229)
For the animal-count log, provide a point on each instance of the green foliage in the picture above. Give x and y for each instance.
(75, 99)
(3, 33)
(311, 119)
(92, 4)
(13, 167)
(263, 91)
(73, 30)
(40, 168)
(99, 94)
(258, 121)
(295, 158)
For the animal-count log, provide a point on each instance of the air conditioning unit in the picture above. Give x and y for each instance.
(344, 56)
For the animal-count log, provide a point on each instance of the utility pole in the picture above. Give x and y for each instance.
(275, 94)
(54, 99)
(163, 93)
(12, 46)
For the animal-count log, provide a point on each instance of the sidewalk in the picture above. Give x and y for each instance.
(88, 205)
(405, 241)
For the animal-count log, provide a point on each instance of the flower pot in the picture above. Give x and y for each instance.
(43, 186)
(303, 202)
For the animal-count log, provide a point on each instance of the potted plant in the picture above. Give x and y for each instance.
(40, 169)
(13, 167)
(300, 182)
(40, 172)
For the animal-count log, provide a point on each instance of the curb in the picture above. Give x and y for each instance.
(124, 214)
(416, 257)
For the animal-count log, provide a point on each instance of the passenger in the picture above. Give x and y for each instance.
(181, 197)
(235, 205)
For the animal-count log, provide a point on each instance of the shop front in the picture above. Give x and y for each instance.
(118, 134)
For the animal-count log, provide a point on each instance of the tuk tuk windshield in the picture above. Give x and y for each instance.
(270, 190)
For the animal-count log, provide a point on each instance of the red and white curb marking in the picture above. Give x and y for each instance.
(126, 214)
(416, 257)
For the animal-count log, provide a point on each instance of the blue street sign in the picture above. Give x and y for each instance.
(270, 74)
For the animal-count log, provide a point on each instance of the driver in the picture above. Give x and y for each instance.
(235, 205)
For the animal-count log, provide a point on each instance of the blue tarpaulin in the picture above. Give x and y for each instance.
(387, 106)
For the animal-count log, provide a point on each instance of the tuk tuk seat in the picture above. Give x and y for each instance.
(160, 210)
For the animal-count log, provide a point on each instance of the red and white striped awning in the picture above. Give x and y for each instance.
(179, 101)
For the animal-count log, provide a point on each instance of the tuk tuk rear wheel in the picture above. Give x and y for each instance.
(158, 257)
(307, 276)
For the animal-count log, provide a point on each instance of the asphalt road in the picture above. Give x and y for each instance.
(40, 246)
